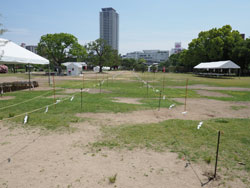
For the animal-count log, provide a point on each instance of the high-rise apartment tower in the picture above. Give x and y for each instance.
(109, 27)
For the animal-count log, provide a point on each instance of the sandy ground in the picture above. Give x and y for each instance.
(43, 160)
(64, 159)
(211, 93)
(200, 86)
(197, 109)
(126, 100)
(6, 97)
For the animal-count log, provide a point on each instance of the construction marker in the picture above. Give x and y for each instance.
(25, 120)
(47, 109)
(200, 124)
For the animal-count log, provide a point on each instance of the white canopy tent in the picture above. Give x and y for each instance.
(11, 53)
(217, 68)
(217, 65)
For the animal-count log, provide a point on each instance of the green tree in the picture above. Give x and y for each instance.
(140, 65)
(128, 63)
(100, 53)
(59, 47)
(213, 45)
(79, 52)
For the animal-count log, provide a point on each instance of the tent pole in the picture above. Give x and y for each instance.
(29, 77)
(49, 74)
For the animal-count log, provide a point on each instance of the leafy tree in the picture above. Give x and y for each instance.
(128, 63)
(79, 52)
(140, 65)
(213, 45)
(115, 59)
(100, 53)
(59, 47)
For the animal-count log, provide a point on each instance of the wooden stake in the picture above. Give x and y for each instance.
(217, 154)
(54, 90)
(185, 107)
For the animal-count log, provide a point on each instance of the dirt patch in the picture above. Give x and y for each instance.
(201, 86)
(57, 96)
(64, 160)
(6, 98)
(197, 109)
(72, 91)
(93, 91)
(212, 93)
(127, 100)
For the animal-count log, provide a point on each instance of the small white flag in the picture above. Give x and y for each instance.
(200, 124)
(184, 112)
(164, 97)
(72, 98)
(25, 119)
(46, 110)
(157, 91)
(171, 106)
(57, 101)
(2, 91)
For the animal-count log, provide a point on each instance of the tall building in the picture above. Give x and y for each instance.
(109, 27)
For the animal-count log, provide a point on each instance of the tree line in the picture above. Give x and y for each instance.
(63, 47)
(213, 45)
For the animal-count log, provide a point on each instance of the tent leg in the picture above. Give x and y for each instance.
(49, 74)
(29, 77)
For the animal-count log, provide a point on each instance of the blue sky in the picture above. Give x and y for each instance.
(144, 24)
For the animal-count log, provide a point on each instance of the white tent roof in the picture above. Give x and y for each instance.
(75, 63)
(11, 53)
(217, 65)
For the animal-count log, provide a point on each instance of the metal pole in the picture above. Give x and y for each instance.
(185, 107)
(29, 77)
(100, 86)
(159, 102)
(107, 81)
(83, 81)
(54, 90)
(49, 74)
(163, 83)
(217, 154)
(147, 89)
(81, 98)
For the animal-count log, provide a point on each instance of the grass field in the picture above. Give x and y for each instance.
(180, 136)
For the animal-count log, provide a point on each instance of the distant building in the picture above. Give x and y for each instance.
(151, 56)
(23, 45)
(242, 35)
(32, 48)
(109, 27)
(177, 48)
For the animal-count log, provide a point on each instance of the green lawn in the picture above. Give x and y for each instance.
(175, 135)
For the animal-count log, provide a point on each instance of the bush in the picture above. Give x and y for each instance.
(3, 69)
